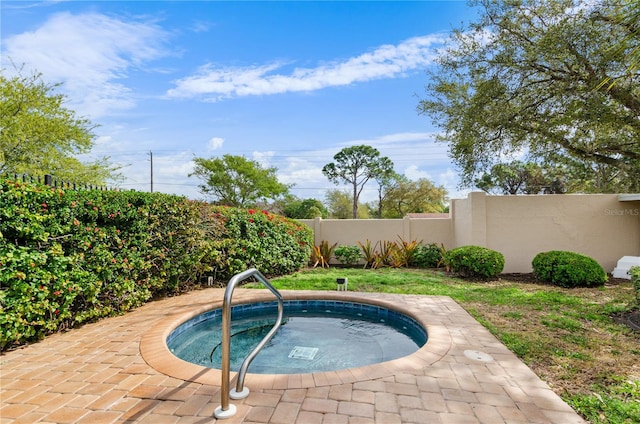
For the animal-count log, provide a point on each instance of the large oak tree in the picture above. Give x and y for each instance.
(556, 80)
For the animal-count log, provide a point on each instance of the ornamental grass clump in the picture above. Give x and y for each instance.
(474, 261)
(568, 269)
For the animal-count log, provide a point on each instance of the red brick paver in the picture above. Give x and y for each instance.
(117, 370)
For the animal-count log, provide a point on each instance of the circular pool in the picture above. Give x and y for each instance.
(315, 336)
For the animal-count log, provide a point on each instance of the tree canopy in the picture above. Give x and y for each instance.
(386, 179)
(522, 178)
(556, 80)
(340, 205)
(237, 181)
(39, 135)
(304, 209)
(419, 196)
(356, 165)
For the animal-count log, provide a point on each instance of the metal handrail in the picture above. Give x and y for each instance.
(226, 410)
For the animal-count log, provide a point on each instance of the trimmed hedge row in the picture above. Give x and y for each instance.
(68, 257)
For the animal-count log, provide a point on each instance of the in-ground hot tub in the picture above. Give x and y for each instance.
(156, 353)
(315, 336)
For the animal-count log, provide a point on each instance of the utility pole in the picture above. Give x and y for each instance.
(151, 157)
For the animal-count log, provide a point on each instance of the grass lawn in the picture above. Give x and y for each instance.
(566, 336)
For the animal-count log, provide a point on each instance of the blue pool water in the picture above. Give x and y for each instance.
(316, 336)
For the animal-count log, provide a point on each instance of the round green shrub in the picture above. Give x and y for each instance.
(474, 261)
(428, 256)
(347, 255)
(568, 269)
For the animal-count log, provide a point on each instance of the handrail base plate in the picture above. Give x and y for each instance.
(221, 414)
(233, 394)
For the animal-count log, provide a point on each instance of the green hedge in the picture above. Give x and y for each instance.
(67, 257)
(474, 261)
(255, 238)
(568, 269)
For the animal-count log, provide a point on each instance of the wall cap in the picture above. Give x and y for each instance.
(628, 197)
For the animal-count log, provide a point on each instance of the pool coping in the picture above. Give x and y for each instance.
(154, 350)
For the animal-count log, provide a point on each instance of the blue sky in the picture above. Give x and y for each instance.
(288, 84)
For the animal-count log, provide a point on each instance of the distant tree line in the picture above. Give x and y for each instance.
(237, 181)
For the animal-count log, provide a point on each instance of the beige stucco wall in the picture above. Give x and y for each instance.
(600, 226)
(352, 231)
(469, 220)
(432, 230)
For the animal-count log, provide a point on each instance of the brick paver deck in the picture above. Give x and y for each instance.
(119, 370)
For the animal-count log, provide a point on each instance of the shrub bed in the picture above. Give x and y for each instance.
(474, 261)
(67, 257)
(568, 269)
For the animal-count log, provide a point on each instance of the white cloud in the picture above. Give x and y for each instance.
(413, 172)
(263, 158)
(388, 61)
(201, 26)
(449, 179)
(302, 172)
(394, 140)
(103, 140)
(215, 143)
(90, 53)
(306, 177)
(169, 168)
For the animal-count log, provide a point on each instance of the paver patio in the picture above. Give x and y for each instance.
(118, 370)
